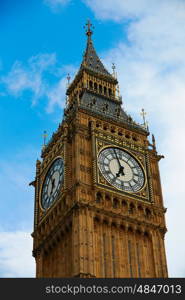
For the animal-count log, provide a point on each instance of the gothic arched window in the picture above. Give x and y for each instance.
(90, 84)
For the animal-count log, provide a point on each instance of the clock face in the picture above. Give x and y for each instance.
(52, 183)
(121, 169)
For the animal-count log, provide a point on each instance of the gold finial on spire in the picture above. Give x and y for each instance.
(68, 79)
(143, 114)
(88, 27)
(45, 137)
(67, 85)
(153, 142)
(113, 69)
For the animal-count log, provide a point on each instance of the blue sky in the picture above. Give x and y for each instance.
(40, 42)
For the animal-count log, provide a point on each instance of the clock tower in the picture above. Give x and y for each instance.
(98, 201)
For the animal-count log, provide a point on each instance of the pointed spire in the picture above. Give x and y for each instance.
(145, 123)
(143, 114)
(114, 70)
(153, 142)
(68, 79)
(91, 59)
(45, 137)
(91, 63)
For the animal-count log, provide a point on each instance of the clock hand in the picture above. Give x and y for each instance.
(53, 185)
(117, 157)
(121, 168)
(121, 172)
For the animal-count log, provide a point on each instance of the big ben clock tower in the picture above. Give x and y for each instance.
(98, 201)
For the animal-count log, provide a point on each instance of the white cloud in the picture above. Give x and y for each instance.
(29, 77)
(56, 5)
(17, 198)
(55, 94)
(117, 10)
(35, 77)
(16, 213)
(151, 68)
(16, 254)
